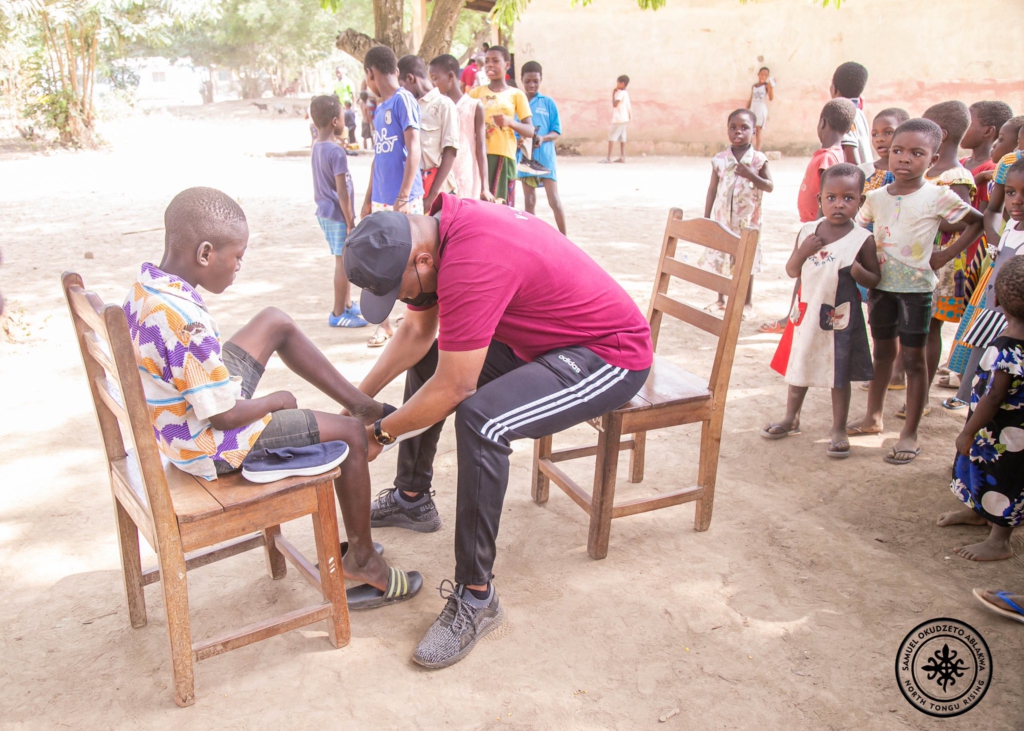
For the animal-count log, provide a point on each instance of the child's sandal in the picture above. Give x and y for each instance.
(836, 450)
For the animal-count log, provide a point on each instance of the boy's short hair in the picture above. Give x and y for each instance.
(992, 113)
(1015, 124)
(624, 80)
(1010, 287)
(447, 63)
(900, 115)
(931, 130)
(410, 64)
(764, 68)
(843, 170)
(503, 51)
(531, 67)
(838, 114)
(348, 104)
(324, 109)
(850, 79)
(196, 215)
(382, 59)
(364, 95)
(952, 116)
(926, 127)
(738, 112)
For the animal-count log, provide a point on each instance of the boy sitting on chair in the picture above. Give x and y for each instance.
(200, 392)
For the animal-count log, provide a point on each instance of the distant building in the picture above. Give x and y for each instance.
(693, 61)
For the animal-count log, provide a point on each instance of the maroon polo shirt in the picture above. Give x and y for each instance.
(505, 275)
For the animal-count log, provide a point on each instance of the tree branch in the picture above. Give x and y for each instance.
(354, 43)
(440, 29)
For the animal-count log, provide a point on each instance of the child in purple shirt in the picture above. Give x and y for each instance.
(335, 202)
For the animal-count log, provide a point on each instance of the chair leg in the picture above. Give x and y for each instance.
(277, 566)
(707, 472)
(175, 587)
(541, 483)
(332, 576)
(131, 565)
(603, 499)
(636, 457)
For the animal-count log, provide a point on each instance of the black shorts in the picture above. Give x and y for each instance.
(906, 315)
(287, 428)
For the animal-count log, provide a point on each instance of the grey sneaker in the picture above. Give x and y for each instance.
(387, 511)
(453, 634)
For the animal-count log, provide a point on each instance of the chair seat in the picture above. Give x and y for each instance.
(668, 385)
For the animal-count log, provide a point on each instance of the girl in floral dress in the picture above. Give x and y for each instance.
(988, 475)
(739, 176)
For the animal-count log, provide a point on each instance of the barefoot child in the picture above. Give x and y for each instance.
(906, 215)
(760, 94)
(988, 475)
(738, 178)
(200, 390)
(506, 112)
(830, 343)
(548, 128)
(949, 298)
(470, 167)
(335, 203)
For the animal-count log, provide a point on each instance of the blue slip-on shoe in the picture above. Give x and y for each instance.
(267, 465)
(346, 319)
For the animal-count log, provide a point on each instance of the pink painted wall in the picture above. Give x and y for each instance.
(693, 62)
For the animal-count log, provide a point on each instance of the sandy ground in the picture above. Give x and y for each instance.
(787, 613)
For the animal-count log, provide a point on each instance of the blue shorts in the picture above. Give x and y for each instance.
(335, 233)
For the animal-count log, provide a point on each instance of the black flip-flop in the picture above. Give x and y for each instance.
(893, 456)
(402, 585)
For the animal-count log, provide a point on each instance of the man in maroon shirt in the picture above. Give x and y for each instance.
(516, 331)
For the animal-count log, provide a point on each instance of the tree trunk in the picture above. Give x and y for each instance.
(388, 17)
(440, 29)
(354, 43)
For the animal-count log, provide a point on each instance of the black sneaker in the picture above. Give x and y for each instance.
(388, 511)
(529, 166)
(453, 634)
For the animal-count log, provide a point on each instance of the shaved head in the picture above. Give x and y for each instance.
(196, 215)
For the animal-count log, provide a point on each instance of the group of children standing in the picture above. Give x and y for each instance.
(892, 217)
(430, 137)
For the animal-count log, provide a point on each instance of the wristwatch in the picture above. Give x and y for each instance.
(382, 437)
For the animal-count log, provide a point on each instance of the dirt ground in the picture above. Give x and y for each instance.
(786, 614)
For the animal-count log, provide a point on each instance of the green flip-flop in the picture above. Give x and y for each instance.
(402, 585)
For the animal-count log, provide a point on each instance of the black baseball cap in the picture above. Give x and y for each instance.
(376, 254)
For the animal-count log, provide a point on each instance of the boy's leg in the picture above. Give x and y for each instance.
(611, 147)
(934, 351)
(361, 562)
(342, 289)
(883, 317)
(529, 198)
(551, 190)
(622, 149)
(840, 415)
(913, 324)
(272, 331)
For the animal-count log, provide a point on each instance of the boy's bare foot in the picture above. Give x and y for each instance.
(374, 572)
(994, 548)
(963, 516)
(620, 159)
(862, 427)
(367, 413)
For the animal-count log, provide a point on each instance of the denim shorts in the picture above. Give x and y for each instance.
(906, 315)
(287, 428)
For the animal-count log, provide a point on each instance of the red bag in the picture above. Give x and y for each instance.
(780, 361)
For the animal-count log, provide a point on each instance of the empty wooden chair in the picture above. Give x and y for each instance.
(670, 397)
(190, 522)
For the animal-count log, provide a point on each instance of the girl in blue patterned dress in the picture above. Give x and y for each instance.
(988, 475)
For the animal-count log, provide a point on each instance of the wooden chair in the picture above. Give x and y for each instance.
(190, 522)
(670, 397)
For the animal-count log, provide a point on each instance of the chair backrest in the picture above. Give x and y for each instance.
(102, 333)
(712, 235)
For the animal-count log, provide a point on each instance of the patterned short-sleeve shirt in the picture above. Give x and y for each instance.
(177, 348)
